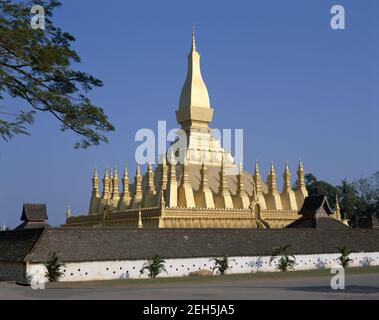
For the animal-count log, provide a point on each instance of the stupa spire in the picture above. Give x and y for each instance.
(272, 178)
(300, 176)
(95, 184)
(240, 184)
(257, 178)
(194, 105)
(125, 196)
(106, 184)
(125, 183)
(137, 198)
(193, 39)
(223, 182)
(150, 178)
(68, 212)
(287, 177)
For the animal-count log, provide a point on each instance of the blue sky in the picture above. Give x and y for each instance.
(273, 68)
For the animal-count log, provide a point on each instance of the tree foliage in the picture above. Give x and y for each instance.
(153, 266)
(284, 260)
(344, 258)
(36, 67)
(317, 187)
(359, 199)
(54, 267)
(221, 264)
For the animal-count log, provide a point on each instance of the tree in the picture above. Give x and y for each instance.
(344, 259)
(367, 202)
(359, 200)
(221, 264)
(319, 188)
(36, 68)
(153, 266)
(285, 261)
(54, 265)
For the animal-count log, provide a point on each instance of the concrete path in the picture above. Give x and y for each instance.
(360, 286)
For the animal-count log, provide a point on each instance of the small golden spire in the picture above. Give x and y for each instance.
(272, 178)
(272, 169)
(150, 178)
(115, 191)
(257, 178)
(125, 184)
(256, 168)
(95, 184)
(106, 184)
(140, 224)
(193, 38)
(300, 176)
(287, 177)
(68, 212)
(204, 177)
(163, 172)
(223, 181)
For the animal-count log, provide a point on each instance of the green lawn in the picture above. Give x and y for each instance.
(203, 279)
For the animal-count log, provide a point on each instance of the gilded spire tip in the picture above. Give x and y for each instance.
(193, 38)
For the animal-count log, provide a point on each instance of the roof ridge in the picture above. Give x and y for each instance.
(42, 234)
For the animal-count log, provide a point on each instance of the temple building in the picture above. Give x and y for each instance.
(196, 192)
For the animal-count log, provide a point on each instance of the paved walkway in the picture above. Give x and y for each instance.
(363, 286)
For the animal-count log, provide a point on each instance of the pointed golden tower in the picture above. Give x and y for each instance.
(273, 196)
(287, 178)
(204, 196)
(125, 199)
(140, 224)
(68, 212)
(185, 192)
(172, 188)
(259, 197)
(301, 191)
(115, 191)
(105, 195)
(150, 179)
(163, 167)
(194, 110)
(137, 199)
(110, 186)
(223, 199)
(149, 196)
(95, 197)
(288, 195)
(241, 199)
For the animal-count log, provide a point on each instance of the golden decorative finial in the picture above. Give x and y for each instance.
(193, 38)
(140, 224)
(68, 211)
(301, 165)
(256, 167)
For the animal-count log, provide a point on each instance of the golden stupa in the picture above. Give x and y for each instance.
(196, 192)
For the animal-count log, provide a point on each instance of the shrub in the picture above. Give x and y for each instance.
(54, 267)
(153, 267)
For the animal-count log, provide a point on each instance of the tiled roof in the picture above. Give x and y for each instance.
(15, 245)
(76, 245)
(318, 223)
(34, 212)
(313, 204)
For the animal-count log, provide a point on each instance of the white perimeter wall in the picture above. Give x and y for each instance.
(108, 270)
